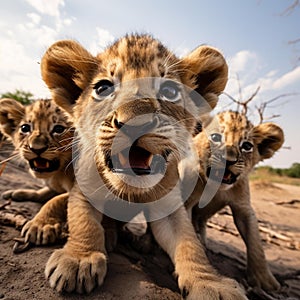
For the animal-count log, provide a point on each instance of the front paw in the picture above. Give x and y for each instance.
(19, 195)
(7, 194)
(40, 232)
(214, 289)
(69, 272)
(263, 279)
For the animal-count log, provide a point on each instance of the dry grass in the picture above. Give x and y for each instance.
(264, 175)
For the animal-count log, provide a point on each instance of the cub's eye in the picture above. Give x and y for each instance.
(25, 128)
(247, 146)
(58, 129)
(103, 88)
(169, 91)
(216, 137)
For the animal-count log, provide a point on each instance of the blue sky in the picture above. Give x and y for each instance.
(253, 35)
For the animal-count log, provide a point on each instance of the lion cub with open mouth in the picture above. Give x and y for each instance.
(42, 135)
(134, 108)
(229, 147)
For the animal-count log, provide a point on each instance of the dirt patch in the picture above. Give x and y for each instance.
(264, 184)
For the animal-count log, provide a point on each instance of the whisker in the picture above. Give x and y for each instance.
(9, 158)
(67, 139)
(99, 188)
(73, 160)
(69, 146)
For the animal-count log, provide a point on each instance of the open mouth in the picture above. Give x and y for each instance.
(138, 161)
(43, 165)
(219, 175)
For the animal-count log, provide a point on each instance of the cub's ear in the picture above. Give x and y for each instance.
(205, 71)
(11, 114)
(67, 68)
(269, 138)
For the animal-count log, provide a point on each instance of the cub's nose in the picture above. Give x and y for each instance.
(231, 155)
(38, 151)
(136, 118)
(38, 143)
(133, 130)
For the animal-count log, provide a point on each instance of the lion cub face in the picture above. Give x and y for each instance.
(230, 146)
(134, 107)
(41, 134)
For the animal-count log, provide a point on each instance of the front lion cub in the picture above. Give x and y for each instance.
(134, 124)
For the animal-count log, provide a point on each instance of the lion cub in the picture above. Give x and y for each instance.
(42, 135)
(134, 120)
(228, 148)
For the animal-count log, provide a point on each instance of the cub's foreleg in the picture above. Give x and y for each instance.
(81, 264)
(197, 279)
(46, 226)
(258, 272)
(42, 195)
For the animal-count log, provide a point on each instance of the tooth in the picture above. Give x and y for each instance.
(123, 160)
(150, 160)
(35, 164)
(47, 165)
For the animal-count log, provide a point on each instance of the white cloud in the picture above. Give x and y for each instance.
(60, 24)
(243, 70)
(273, 82)
(182, 51)
(21, 48)
(19, 70)
(23, 44)
(104, 38)
(13, 54)
(245, 76)
(67, 22)
(241, 60)
(287, 79)
(35, 18)
(47, 7)
(37, 35)
(272, 73)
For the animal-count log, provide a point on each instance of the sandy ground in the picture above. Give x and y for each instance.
(132, 275)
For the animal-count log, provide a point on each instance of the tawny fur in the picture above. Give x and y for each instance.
(239, 158)
(72, 74)
(41, 139)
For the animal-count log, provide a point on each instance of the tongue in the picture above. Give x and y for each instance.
(227, 176)
(41, 163)
(139, 158)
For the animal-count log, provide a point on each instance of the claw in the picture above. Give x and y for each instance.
(184, 293)
(20, 245)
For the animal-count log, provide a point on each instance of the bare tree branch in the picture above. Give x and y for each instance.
(253, 95)
(287, 12)
(243, 104)
(290, 9)
(294, 41)
(281, 96)
(262, 107)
